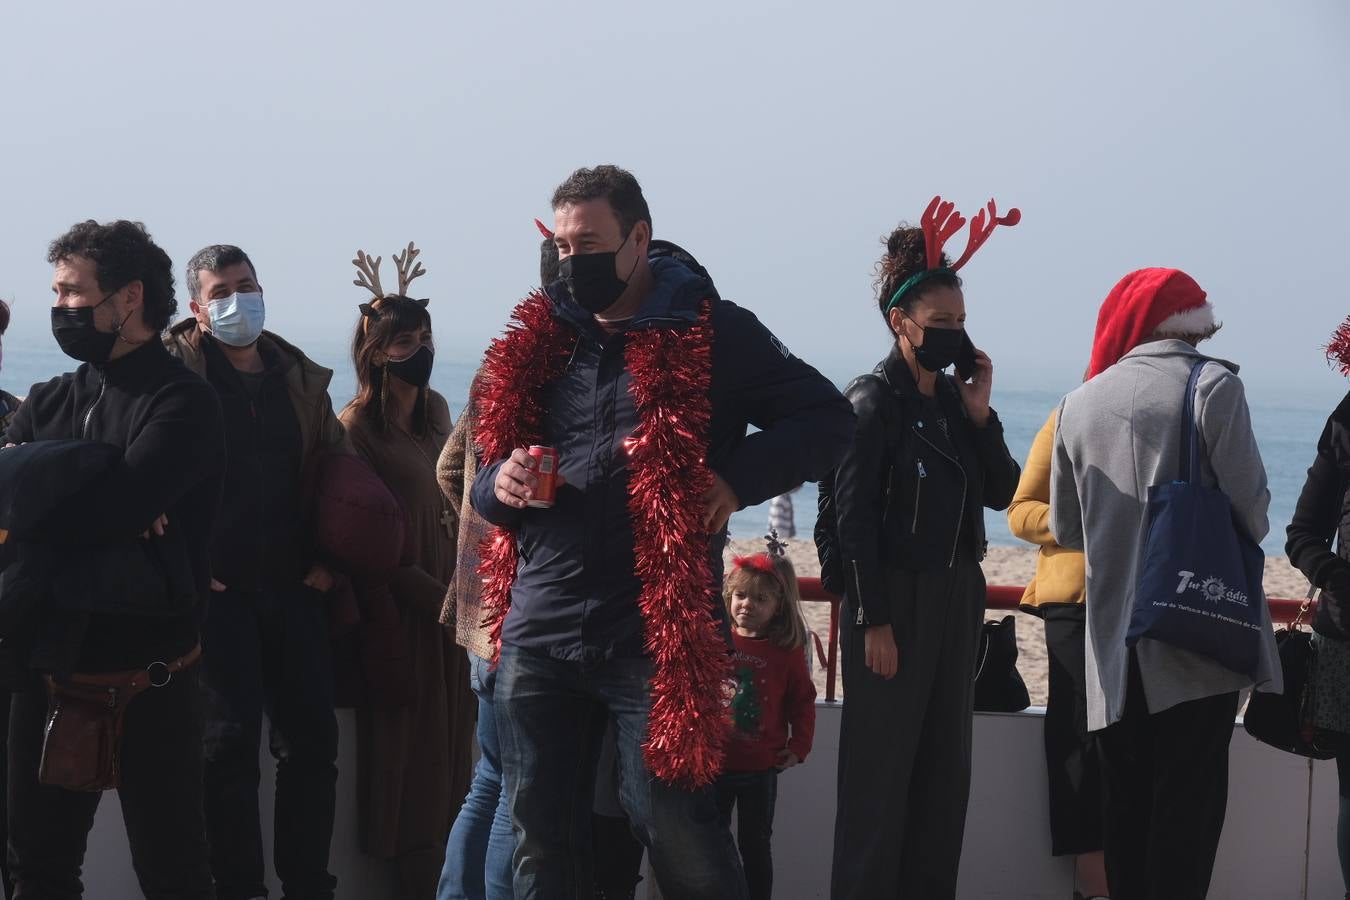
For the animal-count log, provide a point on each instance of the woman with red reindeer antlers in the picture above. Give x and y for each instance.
(1321, 515)
(909, 496)
(415, 729)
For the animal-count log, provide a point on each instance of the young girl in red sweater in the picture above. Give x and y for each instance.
(774, 711)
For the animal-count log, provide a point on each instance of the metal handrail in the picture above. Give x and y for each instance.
(997, 596)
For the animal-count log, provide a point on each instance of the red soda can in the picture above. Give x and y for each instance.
(546, 470)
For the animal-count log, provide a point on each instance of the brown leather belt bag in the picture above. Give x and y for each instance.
(85, 715)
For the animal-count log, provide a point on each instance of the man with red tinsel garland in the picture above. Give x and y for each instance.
(605, 604)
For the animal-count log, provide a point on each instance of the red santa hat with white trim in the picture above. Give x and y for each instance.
(1148, 304)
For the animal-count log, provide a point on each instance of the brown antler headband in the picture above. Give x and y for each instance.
(368, 277)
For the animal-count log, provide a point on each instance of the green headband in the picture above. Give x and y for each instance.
(912, 282)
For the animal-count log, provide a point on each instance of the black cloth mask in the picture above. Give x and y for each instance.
(415, 369)
(77, 335)
(592, 280)
(940, 348)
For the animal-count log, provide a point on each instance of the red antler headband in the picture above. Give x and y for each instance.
(940, 221)
(543, 229)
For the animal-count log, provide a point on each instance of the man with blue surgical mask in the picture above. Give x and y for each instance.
(265, 638)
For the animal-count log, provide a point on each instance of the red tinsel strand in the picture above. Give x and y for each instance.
(671, 376)
(1338, 350)
(517, 367)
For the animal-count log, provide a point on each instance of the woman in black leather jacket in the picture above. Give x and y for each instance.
(927, 458)
(1323, 513)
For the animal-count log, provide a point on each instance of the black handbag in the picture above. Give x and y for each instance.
(998, 685)
(1285, 721)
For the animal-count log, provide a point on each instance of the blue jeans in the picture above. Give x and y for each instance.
(753, 796)
(478, 854)
(551, 717)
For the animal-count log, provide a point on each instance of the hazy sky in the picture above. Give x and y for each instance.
(777, 143)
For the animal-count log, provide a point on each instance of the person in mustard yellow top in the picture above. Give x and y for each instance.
(1056, 595)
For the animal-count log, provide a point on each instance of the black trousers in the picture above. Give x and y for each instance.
(161, 796)
(1166, 780)
(268, 652)
(753, 796)
(905, 743)
(6, 884)
(1070, 751)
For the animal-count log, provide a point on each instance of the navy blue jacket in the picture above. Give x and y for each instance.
(575, 592)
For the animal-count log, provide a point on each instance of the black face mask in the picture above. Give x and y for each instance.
(591, 278)
(415, 369)
(941, 347)
(74, 330)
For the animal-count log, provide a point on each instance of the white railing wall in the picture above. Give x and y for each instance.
(1280, 827)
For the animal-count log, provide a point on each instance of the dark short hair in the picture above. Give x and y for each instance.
(616, 186)
(122, 252)
(4, 316)
(213, 259)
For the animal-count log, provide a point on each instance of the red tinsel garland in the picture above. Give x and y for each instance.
(671, 376)
(517, 367)
(669, 475)
(1338, 351)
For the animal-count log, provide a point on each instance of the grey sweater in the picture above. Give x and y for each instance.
(1117, 435)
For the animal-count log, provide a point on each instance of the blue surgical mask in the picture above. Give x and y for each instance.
(237, 320)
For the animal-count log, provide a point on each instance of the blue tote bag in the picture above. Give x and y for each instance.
(1199, 583)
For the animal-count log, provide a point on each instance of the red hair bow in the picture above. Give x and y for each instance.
(759, 561)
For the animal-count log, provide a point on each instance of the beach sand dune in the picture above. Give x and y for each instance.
(1005, 566)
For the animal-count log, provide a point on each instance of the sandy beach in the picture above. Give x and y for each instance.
(1006, 566)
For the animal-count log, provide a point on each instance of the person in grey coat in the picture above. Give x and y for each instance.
(1165, 714)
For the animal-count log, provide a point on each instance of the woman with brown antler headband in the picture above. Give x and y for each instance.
(416, 723)
(906, 543)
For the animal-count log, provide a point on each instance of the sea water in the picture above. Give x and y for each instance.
(1287, 428)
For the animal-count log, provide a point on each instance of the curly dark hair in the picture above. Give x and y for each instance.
(122, 252)
(615, 185)
(905, 256)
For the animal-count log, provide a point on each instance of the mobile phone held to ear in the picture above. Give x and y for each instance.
(965, 359)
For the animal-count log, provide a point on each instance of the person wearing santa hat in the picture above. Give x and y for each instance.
(1165, 715)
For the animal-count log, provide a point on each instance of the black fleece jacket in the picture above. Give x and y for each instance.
(167, 422)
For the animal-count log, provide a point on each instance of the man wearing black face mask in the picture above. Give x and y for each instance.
(108, 583)
(264, 641)
(645, 384)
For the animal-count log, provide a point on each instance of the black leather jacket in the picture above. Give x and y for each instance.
(1323, 513)
(902, 500)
